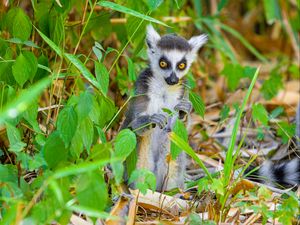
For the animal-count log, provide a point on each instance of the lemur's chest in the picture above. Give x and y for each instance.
(163, 96)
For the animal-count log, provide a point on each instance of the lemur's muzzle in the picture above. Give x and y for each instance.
(172, 79)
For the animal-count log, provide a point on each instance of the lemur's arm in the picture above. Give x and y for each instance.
(184, 107)
(137, 117)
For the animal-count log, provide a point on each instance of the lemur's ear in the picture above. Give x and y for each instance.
(152, 37)
(197, 42)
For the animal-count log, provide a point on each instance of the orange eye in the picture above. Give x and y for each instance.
(163, 64)
(181, 66)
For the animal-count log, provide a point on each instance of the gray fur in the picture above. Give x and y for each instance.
(171, 41)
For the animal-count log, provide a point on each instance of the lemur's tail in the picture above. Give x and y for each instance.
(284, 173)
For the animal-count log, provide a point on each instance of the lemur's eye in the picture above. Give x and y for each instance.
(163, 64)
(181, 66)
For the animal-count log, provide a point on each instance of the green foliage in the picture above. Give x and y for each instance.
(180, 130)
(144, 180)
(288, 210)
(125, 143)
(235, 72)
(271, 86)
(18, 23)
(92, 191)
(224, 113)
(24, 68)
(260, 113)
(197, 103)
(67, 116)
(54, 150)
(131, 12)
(286, 131)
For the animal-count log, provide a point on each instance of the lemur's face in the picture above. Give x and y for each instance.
(171, 56)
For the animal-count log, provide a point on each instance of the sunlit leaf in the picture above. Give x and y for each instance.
(82, 68)
(260, 113)
(197, 103)
(23, 100)
(50, 43)
(132, 12)
(102, 77)
(55, 150)
(67, 124)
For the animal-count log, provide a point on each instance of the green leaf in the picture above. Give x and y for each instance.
(21, 25)
(131, 71)
(180, 130)
(260, 134)
(128, 11)
(87, 132)
(9, 173)
(144, 179)
(85, 105)
(54, 150)
(233, 73)
(154, 4)
(272, 10)
(271, 86)
(14, 137)
(197, 103)
(91, 190)
(102, 76)
(217, 186)
(84, 71)
(67, 124)
(222, 4)
(23, 101)
(125, 143)
(185, 147)
(98, 53)
(76, 147)
(24, 67)
(286, 131)
(260, 113)
(276, 112)
(224, 113)
(82, 168)
(50, 43)
(194, 219)
(30, 115)
(107, 110)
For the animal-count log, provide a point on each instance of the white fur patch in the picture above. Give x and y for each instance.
(197, 42)
(161, 95)
(265, 172)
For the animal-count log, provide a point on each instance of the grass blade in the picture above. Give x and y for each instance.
(243, 41)
(229, 161)
(50, 43)
(81, 67)
(185, 147)
(23, 101)
(128, 11)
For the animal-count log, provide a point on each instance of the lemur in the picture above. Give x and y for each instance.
(160, 86)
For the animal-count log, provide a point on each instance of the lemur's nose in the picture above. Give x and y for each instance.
(172, 79)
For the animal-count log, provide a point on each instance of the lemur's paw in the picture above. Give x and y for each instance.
(183, 108)
(159, 119)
